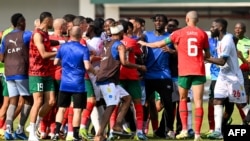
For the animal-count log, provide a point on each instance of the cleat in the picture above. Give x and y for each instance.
(215, 135)
(2, 134)
(190, 133)
(229, 122)
(198, 139)
(33, 138)
(69, 138)
(56, 137)
(111, 137)
(84, 133)
(8, 136)
(126, 128)
(207, 133)
(140, 137)
(170, 135)
(182, 135)
(20, 136)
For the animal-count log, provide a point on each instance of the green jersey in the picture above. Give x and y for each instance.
(243, 45)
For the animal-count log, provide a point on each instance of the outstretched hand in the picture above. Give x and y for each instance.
(142, 43)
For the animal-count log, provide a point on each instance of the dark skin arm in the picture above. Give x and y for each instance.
(217, 61)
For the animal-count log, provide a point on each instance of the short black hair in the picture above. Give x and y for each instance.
(15, 19)
(99, 22)
(69, 17)
(174, 20)
(223, 23)
(140, 21)
(78, 20)
(126, 25)
(89, 20)
(160, 15)
(44, 15)
(110, 19)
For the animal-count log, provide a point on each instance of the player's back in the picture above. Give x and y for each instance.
(191, 41)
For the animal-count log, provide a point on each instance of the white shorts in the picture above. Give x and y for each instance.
(112, 93)
(96, 88)
(18, 87)
(234, 90)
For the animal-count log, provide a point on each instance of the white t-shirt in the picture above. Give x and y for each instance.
(230, 70)
(95, 45)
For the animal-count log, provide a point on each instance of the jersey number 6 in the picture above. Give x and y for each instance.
(192, 49)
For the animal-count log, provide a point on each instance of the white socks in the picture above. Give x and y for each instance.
(218, 113)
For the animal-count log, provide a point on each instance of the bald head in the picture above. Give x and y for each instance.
(76, 33)
(36, 22)
(192, 16)
(57, 24)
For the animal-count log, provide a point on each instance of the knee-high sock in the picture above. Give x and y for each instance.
(52, 120)
(45, 122)
(86, 114)
(243, 112)
(183, 113)
(96, 116)
(139, 117)
(218, 113)
(198, 119)
(211, 116)
(70, 119)
(10, 116)
(113, 117)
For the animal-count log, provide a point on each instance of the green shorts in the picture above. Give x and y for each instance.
(89, 88)
(133, 87)
(41, 84)
(187, 81)
(4, 84)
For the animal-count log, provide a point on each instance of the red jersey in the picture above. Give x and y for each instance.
(130, 73)
(55, 70)
(37, 65)
(190, 41)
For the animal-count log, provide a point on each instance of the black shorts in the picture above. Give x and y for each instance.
(79, 99)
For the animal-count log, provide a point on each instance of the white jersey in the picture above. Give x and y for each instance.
(230, 82)
(231, 70)
(95, 45)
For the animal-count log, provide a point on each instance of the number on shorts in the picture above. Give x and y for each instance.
(192, 49)
(40, 87)
(236, 93)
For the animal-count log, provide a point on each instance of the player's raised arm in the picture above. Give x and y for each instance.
(157, 44)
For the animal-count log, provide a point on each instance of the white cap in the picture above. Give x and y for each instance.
(116, 29)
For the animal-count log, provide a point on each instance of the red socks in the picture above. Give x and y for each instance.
(211, 116)
(70, 119)
(139, 116)
(183, 114)
(86, 112)
(2, 121)
(198, 119)
(113, 117)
